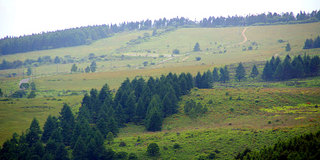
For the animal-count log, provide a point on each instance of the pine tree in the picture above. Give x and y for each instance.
(215, 75)
(224, 74)
(67, 123)
(74, 68)
(254, 72)
(61, 152)
(33, 134)
(288, 47)
(196, 47)
(267, 73)
(198, 80)
(154, 115)
(240, 72)
(49, 126)
(110, 138)
(80, 150)
(93, 66)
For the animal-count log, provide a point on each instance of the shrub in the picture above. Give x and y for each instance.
(153, 149)
(198, 58)
(176, 51)
(132, 156)
(177, 146)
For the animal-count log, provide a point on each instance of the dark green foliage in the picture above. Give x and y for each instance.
(74, 68)
(33, 86)
(67, 123)
(154, 117)
(32, 94)
(287, 69)
(177, 146)
(196, 47)
(215, 75)
(29, 71)
(309, 43)
(254, 72)
(153, 149)
(301, 147)
(93, 66)
(33, 134)
(288, 47)
(87, 70)
(224, 74)
(240, 72)
(194, 109)
(1, 93)
(24, 86)
(176, 51)
(110, 137)
(49, 127)
(121, 155)
(79, 150)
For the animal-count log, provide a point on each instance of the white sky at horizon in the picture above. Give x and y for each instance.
(24, 17)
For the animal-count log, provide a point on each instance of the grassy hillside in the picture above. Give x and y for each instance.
(253, 117)
(247, 114)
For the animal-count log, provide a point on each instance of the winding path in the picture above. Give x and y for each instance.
(244, 36)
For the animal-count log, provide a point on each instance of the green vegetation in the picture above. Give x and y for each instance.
(226, 112)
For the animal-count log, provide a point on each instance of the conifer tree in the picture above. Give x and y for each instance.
(67, 123)
(215, 75)
(254, 72)
(79, 150)
(240, 72)
(33, 134)
(49, 126)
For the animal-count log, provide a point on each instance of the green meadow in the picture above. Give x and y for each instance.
(250, 114)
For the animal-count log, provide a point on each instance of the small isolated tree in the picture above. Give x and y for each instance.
(198, 58)
(1, 94)
(74, 68)
(87, 70)
(29, 71)
(110, 137)
(254, 72)
(196, 47)
(176, 51)
(153, 149)
(288, 47)
(93, 66)
(240, 72)
(145, 63)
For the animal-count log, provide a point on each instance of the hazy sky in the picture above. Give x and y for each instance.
(20, 17)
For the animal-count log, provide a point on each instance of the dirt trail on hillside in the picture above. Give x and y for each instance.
(244, 36)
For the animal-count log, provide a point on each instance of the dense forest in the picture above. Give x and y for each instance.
(289, 68)
(86, 35)
(302, 147)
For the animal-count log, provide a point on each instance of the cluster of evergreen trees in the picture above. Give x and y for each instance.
(261, 19)
(289, 68)
(58, 135)
(85, 35)
(310, 43)
(302, 147)
(208, 78)
(100, 116)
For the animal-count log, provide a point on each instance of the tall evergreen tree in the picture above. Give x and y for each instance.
(215, 75)
(196, 47)
(154, 115)
(80, 150)
(240, 72)
(67, 123)
(254, 72)
(49, 126)
(33, 134)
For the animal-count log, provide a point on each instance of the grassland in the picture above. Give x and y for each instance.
(247, 114)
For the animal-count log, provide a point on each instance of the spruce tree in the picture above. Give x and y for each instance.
(79, 150)
(215, 75)
(240, 72)
(67, 123)
(196, 47)
(49, 126)
(33, 134)
(288, 47)
(254, 72)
